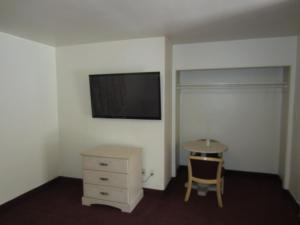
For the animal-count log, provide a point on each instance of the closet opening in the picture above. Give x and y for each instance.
(244, 108)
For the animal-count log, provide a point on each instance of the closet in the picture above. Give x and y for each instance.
(244, 108)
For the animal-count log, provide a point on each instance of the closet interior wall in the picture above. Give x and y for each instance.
(245, 108)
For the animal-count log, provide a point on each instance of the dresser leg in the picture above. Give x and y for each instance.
(86, 202)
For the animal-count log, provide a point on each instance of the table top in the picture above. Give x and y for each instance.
(109, 151)
(201, 147)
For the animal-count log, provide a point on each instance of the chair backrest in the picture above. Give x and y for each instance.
(207, 168)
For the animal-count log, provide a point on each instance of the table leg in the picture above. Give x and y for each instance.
(202, 190)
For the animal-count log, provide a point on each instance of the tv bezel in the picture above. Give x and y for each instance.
(126, 117)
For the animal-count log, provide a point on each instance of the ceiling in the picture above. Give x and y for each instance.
(69, 22)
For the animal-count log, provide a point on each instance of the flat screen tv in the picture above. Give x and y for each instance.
(128, 95)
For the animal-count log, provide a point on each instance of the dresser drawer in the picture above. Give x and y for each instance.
(106, 193)
(105, 164)
(105, 178)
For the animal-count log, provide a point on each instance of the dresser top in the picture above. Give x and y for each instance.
(112, 152)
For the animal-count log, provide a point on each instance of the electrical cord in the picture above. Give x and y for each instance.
(150, 175)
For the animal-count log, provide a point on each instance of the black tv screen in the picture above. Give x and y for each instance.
(130, 95)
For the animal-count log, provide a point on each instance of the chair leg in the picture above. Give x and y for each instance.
(219, 195)
(222, 185)
(188, 191)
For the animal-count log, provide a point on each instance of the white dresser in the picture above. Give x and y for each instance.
(112, 176)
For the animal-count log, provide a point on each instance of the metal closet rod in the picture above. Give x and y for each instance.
(232, 85)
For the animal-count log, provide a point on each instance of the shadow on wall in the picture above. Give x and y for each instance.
(83, 92)
(241, 25)
(51, 157)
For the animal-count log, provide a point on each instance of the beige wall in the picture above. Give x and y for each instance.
(295, 168)
(28, 122)
(265, 52)
(79, 131)
(28, 68)
(246, 119)
(168, 111)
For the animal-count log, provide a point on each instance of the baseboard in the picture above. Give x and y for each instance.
(293, 196)
(247, 173)
(70, 178)
(15, 201)
(238, 172)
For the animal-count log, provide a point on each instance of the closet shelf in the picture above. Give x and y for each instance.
(233, 85)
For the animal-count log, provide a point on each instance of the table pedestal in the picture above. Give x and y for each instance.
(202, 189)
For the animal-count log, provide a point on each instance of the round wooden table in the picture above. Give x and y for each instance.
(200, 146)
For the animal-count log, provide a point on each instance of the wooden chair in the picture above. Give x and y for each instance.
(205, 170)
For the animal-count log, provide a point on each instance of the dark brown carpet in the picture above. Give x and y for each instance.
(249, 199)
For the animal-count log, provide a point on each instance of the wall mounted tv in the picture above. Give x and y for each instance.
(127, 95)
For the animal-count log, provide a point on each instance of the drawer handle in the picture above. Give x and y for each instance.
(103, 178)
(104, 193)
(103, 164)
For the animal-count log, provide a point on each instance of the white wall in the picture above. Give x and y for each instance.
(284, 125)
(246, 119)
(28, 122)
(238, 54)
(295, 170)
(168, 111)
(79, 131)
